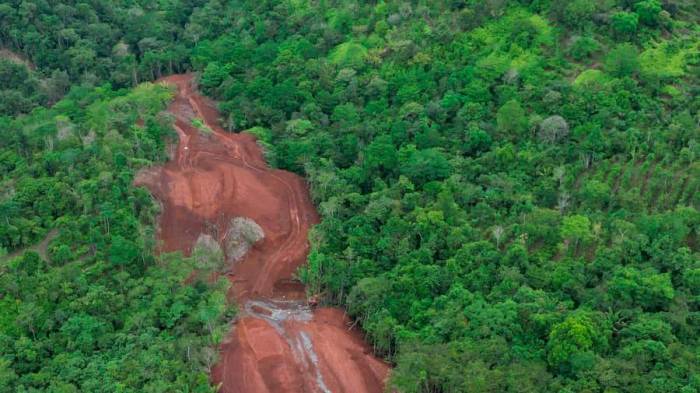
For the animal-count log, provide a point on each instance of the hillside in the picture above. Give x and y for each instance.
(508, 190)
(93, 308)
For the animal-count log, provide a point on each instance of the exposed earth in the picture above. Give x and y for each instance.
(279, 343)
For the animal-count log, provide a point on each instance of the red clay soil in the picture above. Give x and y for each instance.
(278, 344)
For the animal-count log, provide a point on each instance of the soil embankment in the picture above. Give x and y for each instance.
(279, 343)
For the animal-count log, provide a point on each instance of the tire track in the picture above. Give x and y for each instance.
(278, 344)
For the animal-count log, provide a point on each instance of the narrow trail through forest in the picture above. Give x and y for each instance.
(278, 343)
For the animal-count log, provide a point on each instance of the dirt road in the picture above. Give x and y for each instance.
(278, 344)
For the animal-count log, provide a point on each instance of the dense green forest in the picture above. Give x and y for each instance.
(123, 42)
(85, 306)
(509, 190)
(90, 308)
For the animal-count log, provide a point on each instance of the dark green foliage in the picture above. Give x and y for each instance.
(124, 42)
(20, 90)
(649, 11)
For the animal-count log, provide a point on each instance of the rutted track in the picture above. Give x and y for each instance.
(278, 344)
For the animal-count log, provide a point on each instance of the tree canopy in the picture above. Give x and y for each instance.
(509, 189)
(90, 308)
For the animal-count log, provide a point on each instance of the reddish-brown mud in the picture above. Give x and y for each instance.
(279, 343)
